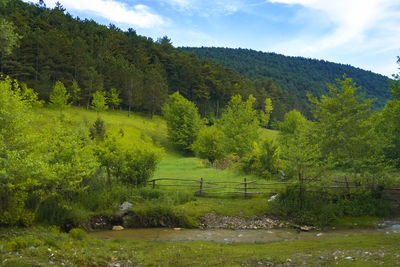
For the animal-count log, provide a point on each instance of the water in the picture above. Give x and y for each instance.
(231, 236)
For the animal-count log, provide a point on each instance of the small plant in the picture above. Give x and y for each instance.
(98, 130)
(78, 234)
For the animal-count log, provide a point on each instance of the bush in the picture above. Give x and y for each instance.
(318, 205)
(78, 234)
(209, 144)
(183, 121)
(261, 161)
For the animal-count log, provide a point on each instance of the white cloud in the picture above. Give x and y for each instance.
(139, 15)
(365, 28)
(352, 20)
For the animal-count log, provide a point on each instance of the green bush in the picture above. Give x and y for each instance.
(262, 160)
(318, 205)
(183, 121)
(78, 234)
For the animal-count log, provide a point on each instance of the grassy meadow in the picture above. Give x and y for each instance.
(47, 246)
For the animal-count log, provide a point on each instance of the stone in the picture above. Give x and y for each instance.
(117, 228)
(273, 198)
(177, 229)
(125, 206)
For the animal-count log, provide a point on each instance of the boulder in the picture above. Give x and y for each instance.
(117, 228)
(125, 206)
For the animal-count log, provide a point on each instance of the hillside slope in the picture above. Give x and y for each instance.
(295, 75)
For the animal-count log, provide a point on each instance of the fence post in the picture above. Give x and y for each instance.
(201, 185)
(245, 187)
(154, 183)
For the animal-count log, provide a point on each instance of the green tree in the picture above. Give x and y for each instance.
(113, 98)
(126, 161)
(156, 89)
(342, 127)
(15, 151)
(8, 40)
(239, 123)
(298, 150)
(183, 121)
(263, 159)
(266, 113)
(387, 124)
(99, 102)
(209, 144)
(75, 92)
(59, 97)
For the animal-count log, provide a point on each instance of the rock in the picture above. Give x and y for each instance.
(348, 258)
(177, 229)
(125, 206)
(306, 228)
(273, 198)
(117, 228)
(319, 234)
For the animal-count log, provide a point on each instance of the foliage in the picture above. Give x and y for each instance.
(15, 155)
(183, 121)
(294, 76)
(9, 40)
(209, 144)
(343, 131)
(299, 152)
(263, 160)
(387, 125)
(59, 97)
(113, 98)
(57, 46)
(321, 205)
(98, 130)
(126, 161)
(99, 102)
(75, 92)
(266, 113)
(240, 125)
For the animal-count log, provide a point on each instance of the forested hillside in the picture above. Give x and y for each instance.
(52, 45)
(295, 75)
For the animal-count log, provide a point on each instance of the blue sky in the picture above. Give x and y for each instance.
(362, 33)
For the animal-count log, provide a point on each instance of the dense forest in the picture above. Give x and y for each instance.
(295, 75)
(53, 46)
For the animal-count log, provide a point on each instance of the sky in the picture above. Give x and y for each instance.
(362, 33)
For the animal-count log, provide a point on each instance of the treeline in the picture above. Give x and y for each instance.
(53, 46)
(295, 75)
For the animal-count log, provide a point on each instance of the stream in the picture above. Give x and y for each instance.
(233, 236)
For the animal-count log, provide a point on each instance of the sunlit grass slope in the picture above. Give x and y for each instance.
(173, 165)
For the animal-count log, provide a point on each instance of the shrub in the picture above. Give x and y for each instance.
(318, 205)
(262, 161)
(183, 121)
(209, 144)
(78, 234)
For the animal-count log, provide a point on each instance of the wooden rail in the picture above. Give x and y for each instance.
(204, 187)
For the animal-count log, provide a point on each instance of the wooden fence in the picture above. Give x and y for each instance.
(203, 187)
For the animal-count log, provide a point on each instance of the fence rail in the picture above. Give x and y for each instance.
(201, 187)
(204, 187)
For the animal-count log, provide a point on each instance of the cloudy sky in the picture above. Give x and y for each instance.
(362, 33)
